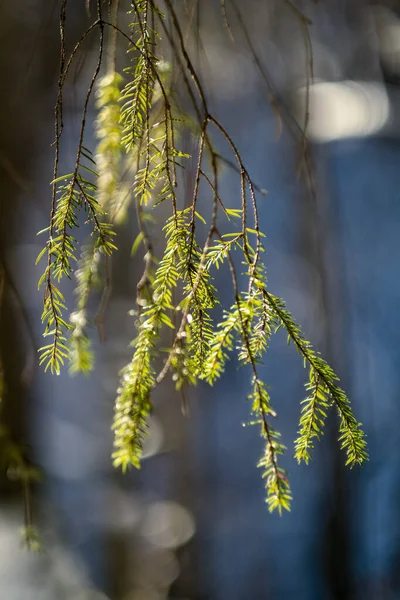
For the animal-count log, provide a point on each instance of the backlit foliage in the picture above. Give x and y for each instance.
(138, 127)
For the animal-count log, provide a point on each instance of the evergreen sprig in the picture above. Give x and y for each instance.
(279, 495)
(322, 385)
(88, 278)
(109, 150)
(313, 415)
(133, 403)
(221, 346)
(137, 94)
(75, 192)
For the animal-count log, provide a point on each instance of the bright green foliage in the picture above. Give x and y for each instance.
(257, 319)
(221, 346)
(88, 277)
(138, 92)
(199, 299)
(313, 415)
(322, 385)
(146, 114)
(276, 482)
(53, 355)
(154, 301)
(219, 251)
(177, 294)
(133, 404)
(75, 192)
(109, 152)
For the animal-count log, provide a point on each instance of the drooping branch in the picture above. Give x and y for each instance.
(139, 127)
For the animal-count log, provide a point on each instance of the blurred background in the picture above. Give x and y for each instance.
(192, 524)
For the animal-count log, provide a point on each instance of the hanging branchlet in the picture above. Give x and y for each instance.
(183, 364)
(313, 415)
(177, 292)
(70, 193)
(323, 382)
(136, 96)
(75, 192)
(276, 482)
(200, 300)
(221, 346)
(133, 403)
(88, 278)
(109, 150)
(258, 321)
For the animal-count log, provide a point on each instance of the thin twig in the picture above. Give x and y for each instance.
(225, 20)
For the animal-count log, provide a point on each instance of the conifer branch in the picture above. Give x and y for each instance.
(351, 435)
(139, 120)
